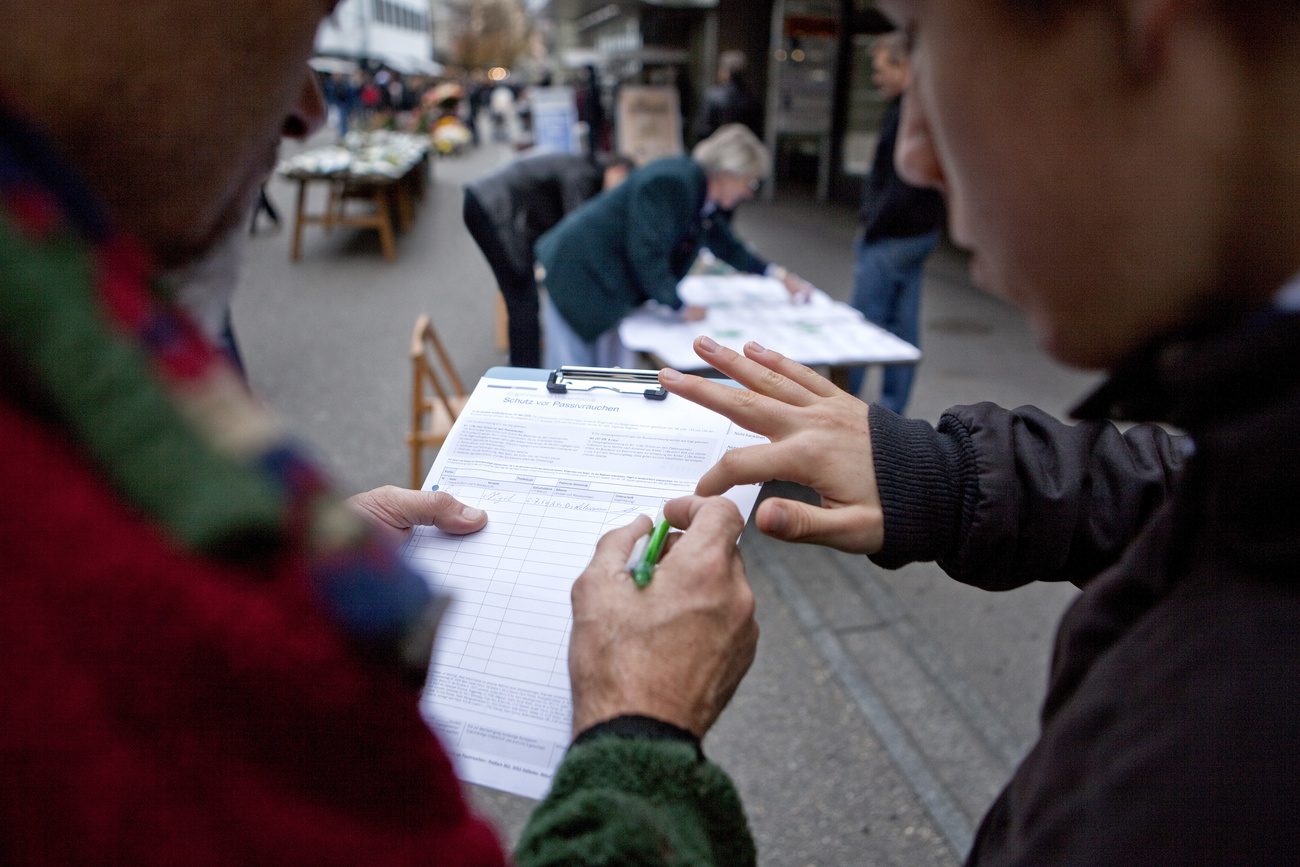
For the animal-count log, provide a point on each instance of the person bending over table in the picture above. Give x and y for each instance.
(635, 244)
(507, 210)
(1128, 173)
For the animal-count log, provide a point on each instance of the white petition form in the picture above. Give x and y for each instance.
(554, 472)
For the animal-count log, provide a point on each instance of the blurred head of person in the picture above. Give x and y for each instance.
(735, 162)
(731, 66)
(136, 95)
(1120, 169)
(889, 65)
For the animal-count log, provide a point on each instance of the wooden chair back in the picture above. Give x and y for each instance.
(437, 395)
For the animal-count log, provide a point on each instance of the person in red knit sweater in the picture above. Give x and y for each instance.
(210, 658)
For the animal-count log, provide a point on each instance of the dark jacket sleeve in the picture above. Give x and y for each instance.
(717, 236)
(891, 207)
(618, 801)
(579, 181)
(1001, 497)
(491, 215)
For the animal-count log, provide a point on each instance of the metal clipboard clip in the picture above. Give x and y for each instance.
(624, 381)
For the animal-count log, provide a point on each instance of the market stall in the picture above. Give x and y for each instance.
(386, 169)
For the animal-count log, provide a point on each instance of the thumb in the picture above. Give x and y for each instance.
(854, 529)
(401, 509)
(443, 511)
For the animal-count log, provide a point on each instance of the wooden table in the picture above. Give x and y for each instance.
(392, 193)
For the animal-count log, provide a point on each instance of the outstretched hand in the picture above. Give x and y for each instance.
(396, 511)
(819, 436)
(676, 649)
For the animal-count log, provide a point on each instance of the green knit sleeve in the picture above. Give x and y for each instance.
(622, 801)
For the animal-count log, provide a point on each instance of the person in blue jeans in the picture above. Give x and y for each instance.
(900, 227)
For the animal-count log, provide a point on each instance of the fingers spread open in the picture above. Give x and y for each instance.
(786, 461)
(855, 529)
(750, 410)
(800, 374)
(757, 374)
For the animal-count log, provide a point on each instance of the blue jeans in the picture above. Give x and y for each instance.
(561, 345)
(887, 290)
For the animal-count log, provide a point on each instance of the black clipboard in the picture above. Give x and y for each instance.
(619, 379)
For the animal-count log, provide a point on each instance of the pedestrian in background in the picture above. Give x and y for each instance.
(344, 100)
(900, 227)
(591, 110)
(476, 100)
(730, 100)
(501, 105)
(369, 96)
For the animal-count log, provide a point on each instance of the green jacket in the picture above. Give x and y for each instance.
(630, 802)
(634, 243)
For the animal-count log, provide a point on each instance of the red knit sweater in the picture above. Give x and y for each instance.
(161, 708)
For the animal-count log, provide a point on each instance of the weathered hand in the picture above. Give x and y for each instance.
(397, 510)
(677, 649)
(820, 438)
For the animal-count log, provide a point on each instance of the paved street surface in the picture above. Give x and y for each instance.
(885, 709)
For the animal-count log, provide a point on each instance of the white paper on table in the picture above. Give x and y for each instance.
(554, 473)
(742, 308)
(709, 290)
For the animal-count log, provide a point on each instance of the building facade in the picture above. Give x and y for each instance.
(809, 64)
(396, 33)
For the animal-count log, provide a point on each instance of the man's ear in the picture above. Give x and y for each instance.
(1145, 30)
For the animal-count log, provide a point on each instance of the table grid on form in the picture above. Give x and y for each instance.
(510, 582)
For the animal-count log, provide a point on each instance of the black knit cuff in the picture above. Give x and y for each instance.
(639, 727)
(926, 479)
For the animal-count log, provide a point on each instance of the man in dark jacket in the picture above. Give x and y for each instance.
(1129, 175)
(730, 100)
(508, 210)
(900, 226)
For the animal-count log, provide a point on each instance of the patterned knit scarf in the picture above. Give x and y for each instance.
(164, 415)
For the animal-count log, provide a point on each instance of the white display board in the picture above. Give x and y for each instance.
(555, 120)
(649, 123)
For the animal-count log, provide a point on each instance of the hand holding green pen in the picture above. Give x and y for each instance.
(674, 650)
(648, 550)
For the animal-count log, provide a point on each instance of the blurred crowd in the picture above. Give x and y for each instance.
(457, 110)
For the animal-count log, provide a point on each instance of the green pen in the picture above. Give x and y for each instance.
(645, 556)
